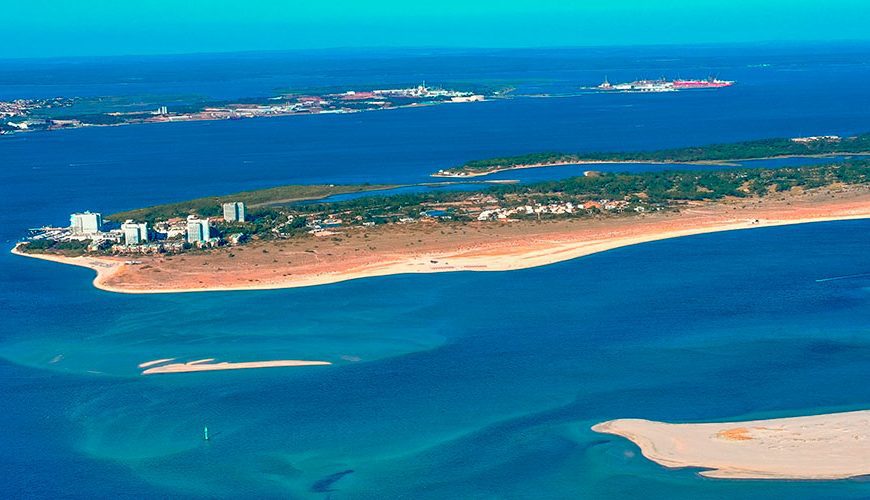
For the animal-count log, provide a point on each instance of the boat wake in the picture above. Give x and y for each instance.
(847, 277)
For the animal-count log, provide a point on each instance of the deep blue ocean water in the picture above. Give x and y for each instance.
(461, 385)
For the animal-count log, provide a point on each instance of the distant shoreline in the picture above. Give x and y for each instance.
(722, 163)
(501, 247)
(198, 119)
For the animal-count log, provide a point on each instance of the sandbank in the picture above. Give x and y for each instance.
(830, 446)
(206, 365)
(155, 362)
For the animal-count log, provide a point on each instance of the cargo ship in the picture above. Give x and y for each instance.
(663, 85)
(639, 86)
(709, 83)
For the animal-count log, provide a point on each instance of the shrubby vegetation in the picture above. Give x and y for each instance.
(255, 201)
(280, 217)
(652, 187)
(71, 248)
(714, 152)
(693, 185)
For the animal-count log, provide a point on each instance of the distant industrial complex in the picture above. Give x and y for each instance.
(27, 115)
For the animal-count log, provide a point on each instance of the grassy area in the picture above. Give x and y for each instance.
(715, 152)
(211, 206)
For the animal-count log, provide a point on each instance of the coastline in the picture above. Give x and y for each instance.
(723, 163)
(579, 163)
(103, 266)
(191, 119)
(817, 447)
(494, 247)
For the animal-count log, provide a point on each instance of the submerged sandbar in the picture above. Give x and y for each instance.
(830, 446)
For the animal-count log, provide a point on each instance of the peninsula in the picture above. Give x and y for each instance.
(832, 446)
(498, 228)
(714, 154)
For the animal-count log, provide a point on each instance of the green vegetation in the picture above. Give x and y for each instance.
(647, 187)
(270, 207)
(211, 206)
(716, 152)
(71, 248)
(658, 187)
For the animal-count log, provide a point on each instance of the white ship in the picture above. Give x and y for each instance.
(639, 86)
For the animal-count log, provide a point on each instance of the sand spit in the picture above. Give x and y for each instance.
(831, 446)
(155, 362)
(355, 253)
(205, 365)
(465, 174)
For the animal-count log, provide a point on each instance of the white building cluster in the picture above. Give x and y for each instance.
(561, 208)
(133, 236)
(817, 138)
(88, 226)
(423, 91)
(536, 209)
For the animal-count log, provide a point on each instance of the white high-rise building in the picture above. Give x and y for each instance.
(85, 223)
(234, 212)
(198, 230)
(134, 234)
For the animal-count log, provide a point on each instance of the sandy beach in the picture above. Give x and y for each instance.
(432, 247)
(205, 365)
(831, 446)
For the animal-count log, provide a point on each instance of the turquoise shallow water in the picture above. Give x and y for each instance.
(467, 384)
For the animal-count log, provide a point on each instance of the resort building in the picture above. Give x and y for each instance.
(134, 234)
(234, 212)
(85, 223)
(198, 230)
